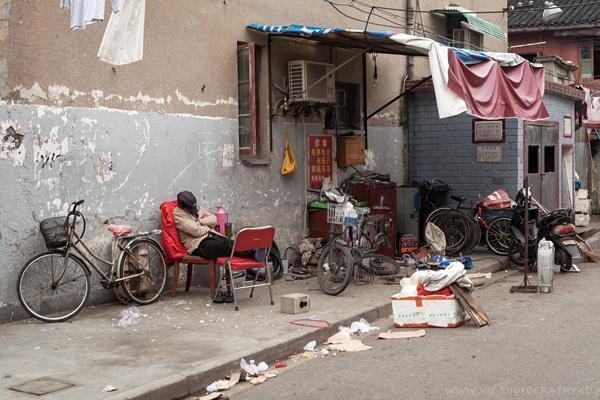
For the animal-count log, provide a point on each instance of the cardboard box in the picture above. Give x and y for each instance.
(295, 303)
(427, 311)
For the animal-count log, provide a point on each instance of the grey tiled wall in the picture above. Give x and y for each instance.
(442, 148)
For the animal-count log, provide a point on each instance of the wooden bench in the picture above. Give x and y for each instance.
(191, 261)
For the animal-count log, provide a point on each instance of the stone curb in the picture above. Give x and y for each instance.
(195, 379)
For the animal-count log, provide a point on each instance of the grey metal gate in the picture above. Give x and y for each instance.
(542, 162)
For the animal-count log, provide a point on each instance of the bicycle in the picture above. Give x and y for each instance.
(463, 232)
(355, 235)
(54, 286)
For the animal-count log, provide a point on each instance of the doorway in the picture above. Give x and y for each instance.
(542, 162)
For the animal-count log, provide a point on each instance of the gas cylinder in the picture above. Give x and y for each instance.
(545, 265)
(222, 217)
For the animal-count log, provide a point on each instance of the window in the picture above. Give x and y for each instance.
(347, 105)
(467, 39)
(586, 61)
(247, 100)
(533, 160)
(549, 159)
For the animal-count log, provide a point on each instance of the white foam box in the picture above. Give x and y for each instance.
(582, 194)
(295, 303)
(427, 311)
(582, 219)
(583, 206)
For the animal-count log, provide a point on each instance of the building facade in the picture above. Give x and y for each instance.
(126, 138)
(573, 36)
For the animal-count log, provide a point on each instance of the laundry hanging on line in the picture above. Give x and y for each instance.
(87, 12)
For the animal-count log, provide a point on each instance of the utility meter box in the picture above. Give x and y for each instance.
(295, 303)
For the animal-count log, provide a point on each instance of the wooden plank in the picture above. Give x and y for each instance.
(473, 309)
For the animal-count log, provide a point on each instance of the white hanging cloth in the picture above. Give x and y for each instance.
(123, 41)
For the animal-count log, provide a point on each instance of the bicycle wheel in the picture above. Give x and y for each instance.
(498, 237)
(474, 236)
(143, 256)
(436, 214)
(335, 268)
(456, 228)
(275, 260)
(52, 287)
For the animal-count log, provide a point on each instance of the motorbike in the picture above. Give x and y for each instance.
(554, 226)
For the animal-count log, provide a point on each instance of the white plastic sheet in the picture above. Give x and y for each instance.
(123, 41)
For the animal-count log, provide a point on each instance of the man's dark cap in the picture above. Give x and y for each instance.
(187, 201)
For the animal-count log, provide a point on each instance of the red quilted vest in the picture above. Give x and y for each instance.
(170, 237)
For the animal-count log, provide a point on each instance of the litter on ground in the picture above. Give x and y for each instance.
(402, 335)
(310, 346)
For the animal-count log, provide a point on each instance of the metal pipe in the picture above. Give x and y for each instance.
(364, 98)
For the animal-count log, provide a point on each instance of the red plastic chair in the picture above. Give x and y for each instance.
(249, 239)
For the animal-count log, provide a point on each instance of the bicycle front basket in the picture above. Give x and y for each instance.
(55, 232)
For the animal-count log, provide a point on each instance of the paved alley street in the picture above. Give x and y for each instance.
(539, 347)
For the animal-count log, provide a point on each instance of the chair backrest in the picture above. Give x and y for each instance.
(254, 238)
(169, 239)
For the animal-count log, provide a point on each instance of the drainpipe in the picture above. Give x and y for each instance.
(410, 75)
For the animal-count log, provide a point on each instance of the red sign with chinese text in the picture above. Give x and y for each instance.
(320, 160)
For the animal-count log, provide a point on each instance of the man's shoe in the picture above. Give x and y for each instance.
(219, 298)
(228, 297)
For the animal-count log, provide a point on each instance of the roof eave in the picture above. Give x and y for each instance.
(552, 28)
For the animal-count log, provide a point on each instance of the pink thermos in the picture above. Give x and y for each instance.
(222, 217)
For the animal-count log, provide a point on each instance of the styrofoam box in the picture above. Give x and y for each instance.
(582, 194)
(582, 219)
(427, 311)
(583, 206)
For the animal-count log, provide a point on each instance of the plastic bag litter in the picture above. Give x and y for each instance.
(310, 346)
(362, 326)
(251, 368)
(324, 352)
(217, 386)
(129, 316)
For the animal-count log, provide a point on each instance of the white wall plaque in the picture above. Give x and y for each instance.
(489, 154)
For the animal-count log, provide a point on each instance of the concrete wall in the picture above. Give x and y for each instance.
(127, 138)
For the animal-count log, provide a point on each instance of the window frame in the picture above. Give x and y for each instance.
(253, 150)
(590, 47)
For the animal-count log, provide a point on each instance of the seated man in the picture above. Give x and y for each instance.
(197, 235)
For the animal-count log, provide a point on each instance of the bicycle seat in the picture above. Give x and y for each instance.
(119, 230)
(459, 199)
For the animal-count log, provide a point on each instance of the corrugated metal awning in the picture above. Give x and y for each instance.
(476, 23)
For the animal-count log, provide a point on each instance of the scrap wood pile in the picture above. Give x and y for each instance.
(471, 306)
(583, 239)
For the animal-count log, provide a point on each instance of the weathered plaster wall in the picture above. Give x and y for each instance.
(124, 164)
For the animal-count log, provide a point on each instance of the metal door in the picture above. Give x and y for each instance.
(542, 163)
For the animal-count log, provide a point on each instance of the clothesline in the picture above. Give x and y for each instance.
(123, 40)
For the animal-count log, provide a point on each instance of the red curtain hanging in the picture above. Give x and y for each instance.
(494, 92)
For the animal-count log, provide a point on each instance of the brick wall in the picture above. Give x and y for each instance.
(442, 148)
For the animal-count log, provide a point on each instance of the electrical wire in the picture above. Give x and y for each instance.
(516, 10)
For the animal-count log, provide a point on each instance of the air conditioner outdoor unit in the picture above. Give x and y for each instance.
(302, 75)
